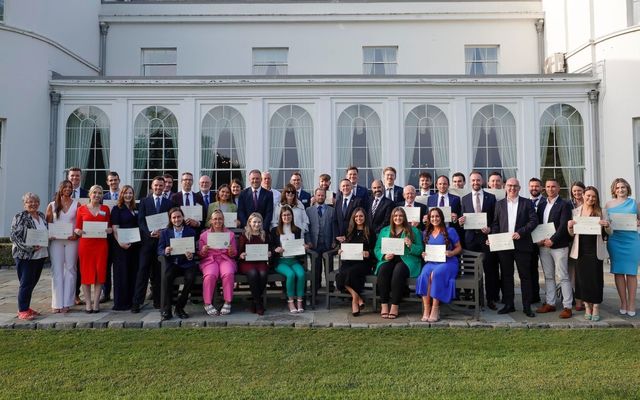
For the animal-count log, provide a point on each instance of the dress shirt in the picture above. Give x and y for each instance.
(184, 198)
(547, 209)
(114, 195)
(446, 199)
(166, 195)
(389, 193)
(535, 201)
(76, 193)
(347, 199)
(423, 193)
(512, 212)
(178, 233)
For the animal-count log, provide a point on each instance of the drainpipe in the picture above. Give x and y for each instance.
(595, 124)
(104, 28)
(53, 140)
(540, 31)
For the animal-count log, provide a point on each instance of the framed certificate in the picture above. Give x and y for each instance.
(182, 246)
(501, 241)
(230, 219)
(37, 237)
(435, 252)
(293, 247)
(94, 230)
(60, 230)
(392, 246)
(587, 225)
(413, 214)
(446, 210)
(257, 252)
(499, 193)
(110, 203)
(193, 212)
(623, 222)
(157, 222)
(351, 251)
(128, 235)
(475, 221)
(218, 240)
(542, 232)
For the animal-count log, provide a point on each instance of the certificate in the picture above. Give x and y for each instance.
(436, 252)
(587, 225)
(94, 229)
(37, 237)
(110, 203)
(60, 230)
(83, 201)
(475, 221)
(422, 199)
(218, 240)
(128, 235)
(257, 252)
(624, 222)
(182, 246)
(501, 241)
(392, 246)
(459, 192)
(230, 219)
(499, 193)
(193, 212)
(157, 222)
(542, 232)
(413, 214)
(446, 211)
(293, 247)
(329, 198)
(351, 251)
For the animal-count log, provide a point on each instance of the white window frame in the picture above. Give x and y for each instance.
(486, 62)
(633, 12)
(144, 64)
(2, 129)
(390, 66)
(101, 129)
(636, 153)
(280, 67)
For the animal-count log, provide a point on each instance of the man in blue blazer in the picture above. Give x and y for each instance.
(358, 191)
(392, 191)
(320, 229)
(537, 201)
(74, 174)
(343, 210)
(379, 207)
(187, 197)
(255, 199)
(445, 199)
(303, 195)
(409, 194)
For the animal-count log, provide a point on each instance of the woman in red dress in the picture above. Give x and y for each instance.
(92, 251)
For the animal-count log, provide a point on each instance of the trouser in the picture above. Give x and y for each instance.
(148, 263)
(317, 267)
(63, 255)
(257, 283)
(535, 275)
(523, 263)
(106, 288)
(169, 273)
(28, 274)
(125, 270)
(392, 281)
(223, 269)
(556, 261)
(294, 274)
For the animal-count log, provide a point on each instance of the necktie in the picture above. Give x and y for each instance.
(477, 207)
(187, 202)
(320, 211)
(115, 195)
(441, 201)
(74, 193)
(206, 201)
(375, 206)
(255, 199)
(390, 194)
(345, 205)
(533, 204)
(158, 205)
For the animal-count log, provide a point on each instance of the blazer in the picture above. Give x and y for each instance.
(314, 225)
(265, 206)
(383, 213)
(526, 222)
(341, 217)
(412, 256)
(361, 192)
(560, 215)
(423, 211)
(211, 197)
(601, 248)
(165, 241)
(305, 198)
(176, 198)
(398, 191)
(475, 239)
(148, 207)
(107, 195)
(454, 202)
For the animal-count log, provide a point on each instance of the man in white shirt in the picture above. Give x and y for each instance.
(75, 175)
(266, 184)
(168, 186)
(186, 197)
(113, 182)
(409, 194)
(303, 196)
(392, 191)
(458, 180)
(537, 201)
(425, 181)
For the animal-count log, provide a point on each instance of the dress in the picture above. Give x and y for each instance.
(246, 266)
(443, 283)
(353, 273)
(92, 252)
(624, 246)
(589, 275)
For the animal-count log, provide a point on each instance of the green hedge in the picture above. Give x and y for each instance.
(5, 253)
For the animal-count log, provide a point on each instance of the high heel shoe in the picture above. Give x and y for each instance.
(292, 307)
(300, 304)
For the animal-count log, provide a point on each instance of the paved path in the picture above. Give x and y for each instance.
(277, 315)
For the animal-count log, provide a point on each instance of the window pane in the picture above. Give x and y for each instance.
(160, 70)
(379, 60)
(481, 60)
(426, 142)
(494, 140)
(87, 144)
(159, 56)
(359, 142)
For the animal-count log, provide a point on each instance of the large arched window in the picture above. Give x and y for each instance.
(562, 145)
(87, 144)
(359, 142)
(494, 141)
(223, 145)
(155, 147)
(426, 142)
(291, 145)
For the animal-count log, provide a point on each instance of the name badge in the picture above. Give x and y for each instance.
(102, 213)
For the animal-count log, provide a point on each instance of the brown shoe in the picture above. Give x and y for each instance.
(566, 313)
(546, 308)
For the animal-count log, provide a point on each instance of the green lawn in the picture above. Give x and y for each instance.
(289, 363)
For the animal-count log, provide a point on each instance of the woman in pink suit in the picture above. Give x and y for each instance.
(217, 262)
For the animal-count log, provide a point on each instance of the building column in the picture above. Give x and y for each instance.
(595, 131)
(540, 31)
(104, 29)
(53, 139)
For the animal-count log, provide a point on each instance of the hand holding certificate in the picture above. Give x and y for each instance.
(351, 251)
(293, 247)
(413, 214)
(157, 222)
(474, 221)
(542, 232)
(230, 219)
(60, 230)
(501, 241)
(435, 252)
(94, 230)
(218, 240)
(392, 246)
(128, 235)
(37, 237)
(193, 212)
(182, 246)
(257, 252)
(587, 225)
(623, 222)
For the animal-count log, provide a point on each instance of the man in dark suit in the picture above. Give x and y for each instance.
(303, 196)
(186, 197)
(424, 181)
(74, 174)
(320, 229)
(208, 196)
(392, 191)
(409, 194)
(442, 198)
(255, 199)
(479, 201)
(554, 250)
(537, 200)
(358, 191)
(113, 183)
(167, 192)
(343, 209)
(148, 266)
(515, 215)
(379, 207)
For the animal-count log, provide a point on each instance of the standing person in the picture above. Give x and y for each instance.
(424, 181)
(515, 215)
(358, 190)
(256, 271)
(236, 189)
(167, 191)
(324, 183)
(345, 204)
(208, 197)
(442, 198)
(379, 207)
(437, 281)
(217, 263)
(393, 270)
(63, 251)
(409, 194)
(29, 259)
(537, 201)
(303, 196)
(588, 252)
(266, 184)
(125, 255)
(495, 180)
(93, 251)
(74, 175)
(187, 197)
(320, 217)
(391, 191)
(352, 273)
(223, 202)
(624, 247)
(458, 180)
(113, 183)
(577, 192)
(290, 198)
(255, 199)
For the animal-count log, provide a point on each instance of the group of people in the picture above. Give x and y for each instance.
(323, 221)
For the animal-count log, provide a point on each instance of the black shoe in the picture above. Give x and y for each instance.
(181, 313)
(156, 306)
(527, 311)
(105, 299)
(135, 308)
(491, 305)
(536, 300)
(165, 316)
(506, 309)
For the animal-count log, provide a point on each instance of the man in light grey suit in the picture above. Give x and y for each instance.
(320, 229)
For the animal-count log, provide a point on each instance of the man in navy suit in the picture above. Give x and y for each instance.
(303, 196)
(255, 199)
(379, 207)
(74, 174)
(358, 191)
(409, 194)
(538, 201)
(392, 191)
(113, 182)
(343, 210)
(515, 215)
(208, 196)
(186, 197)
(479, 201)
(148, 266)
(167, 192)
(442, 198)
(320, 229)
(424, 181)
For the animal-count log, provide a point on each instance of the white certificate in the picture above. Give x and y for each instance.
(446, 211)
(94, 229)
(230, 219)
(436, 252)
(182, 246)
(128, 235)
(501, 241)
(157, 222)
(83, 201)
(193, 212)
(624, 222)
(543, 231)
(413, 214)
(475, 220)
(329, 199)
(257, 252)
(37, 237)
(293, 247)
(499, 193)
(351, 251)
(60, 230)
(218, 240)
(392, 246)
(459, 192)
(422, 199)
(587, 225)
(110, 203)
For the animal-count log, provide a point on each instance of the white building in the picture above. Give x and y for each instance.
(222, 87)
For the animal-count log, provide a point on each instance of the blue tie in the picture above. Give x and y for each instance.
(320, 211)
(158, 205)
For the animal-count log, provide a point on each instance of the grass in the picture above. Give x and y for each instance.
(287, 363)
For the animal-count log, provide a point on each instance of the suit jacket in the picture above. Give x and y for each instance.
(107, 195)
(560, 215)
(314, 225)
(398, 196)
(305, 198)
(423, 211)
(83, 193)
(475, 240)
(383, 213)
(196, 198)
(265, 206)
(165, 241)
(361, 192)
(148, 207)
(526, 222)
(341, 217)
(454, 202)
(211, 197)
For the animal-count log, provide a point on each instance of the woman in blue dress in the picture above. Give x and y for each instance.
(437, 281)
(624, 247)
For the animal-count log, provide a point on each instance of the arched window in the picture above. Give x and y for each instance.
(155, 147)
(359, 142)
(223, 145)
(494, 141)
(562, 145)
(87, 144)
(426, 142)
(291, 146)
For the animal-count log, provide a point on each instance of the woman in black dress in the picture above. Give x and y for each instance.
(125, 255)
